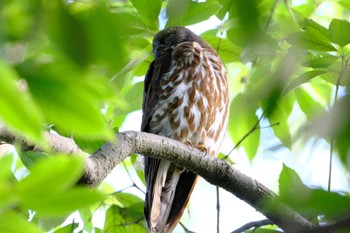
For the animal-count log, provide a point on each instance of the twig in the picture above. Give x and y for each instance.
(133, 183)
(186, 229)
(341, 224)
(255, 126)
(255, 225)
(217, 209)
(344, 64)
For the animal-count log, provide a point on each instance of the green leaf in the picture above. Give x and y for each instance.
(125, 220)
(316, 29)
(69, 201)
(319, 60)
(291, 187)
(183, 12)
(5, 167)
(313, 202)
(311, 107)
(131, 24)
(345, 4)
(223, 156)
(339, 32)
(68, 228)
(29, 158)
(262, 230)
(8, 198)
(88, 32)
(310, 40)
(15, 223)
(242, 119)
(61, 172)
(148, 9)
(279, 116)
(42, 193)
(17, 105)
(70, 99)
(127, 199)
(228, 52)
(303, 78)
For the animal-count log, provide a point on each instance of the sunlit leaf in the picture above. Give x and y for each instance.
(279, 120)
(52, 174)
(319, 60)
(123, 220)
(227, 51)
(262, 230)
(290, 184)
(7, 195)
(70, 99)
(308, 105)
(312, 202)
(87, 33)
(53, 180)
(189, 12)
(67, 229)
(339, 32)
(15, 223)
(29, 158)
(148, 9)
(17, 105)
(345, 4)
(132, 24)
(127, 199)
(310, 40)
(303, 78)
(241, 121)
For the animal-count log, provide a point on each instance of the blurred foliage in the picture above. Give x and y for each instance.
(74, 67)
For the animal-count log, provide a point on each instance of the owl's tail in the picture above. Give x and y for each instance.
(170, 192)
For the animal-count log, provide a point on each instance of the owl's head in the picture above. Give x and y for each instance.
(167, 38)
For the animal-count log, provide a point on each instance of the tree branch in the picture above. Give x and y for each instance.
(255, 225)
(215, 171)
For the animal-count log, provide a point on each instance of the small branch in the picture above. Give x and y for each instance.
(255, 225)
(336, 226)
(217, 209)
(255, 126)
(57, 142)
(186, 229)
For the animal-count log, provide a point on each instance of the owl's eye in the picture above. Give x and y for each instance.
(168, 38)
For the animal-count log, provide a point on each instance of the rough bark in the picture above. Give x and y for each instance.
(215, 171)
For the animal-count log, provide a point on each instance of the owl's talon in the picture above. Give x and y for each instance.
(202, 148)
(189, 143)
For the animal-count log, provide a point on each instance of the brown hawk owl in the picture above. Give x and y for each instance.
(185, 98)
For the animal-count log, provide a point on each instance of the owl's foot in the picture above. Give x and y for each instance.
(202, 148)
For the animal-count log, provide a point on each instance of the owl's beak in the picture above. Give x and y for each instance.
(157, 49)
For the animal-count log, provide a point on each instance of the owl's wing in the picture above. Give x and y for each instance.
(168, 187)
(152, 91)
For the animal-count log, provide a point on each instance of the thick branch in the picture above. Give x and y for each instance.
(57, 142)
(217, 172)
